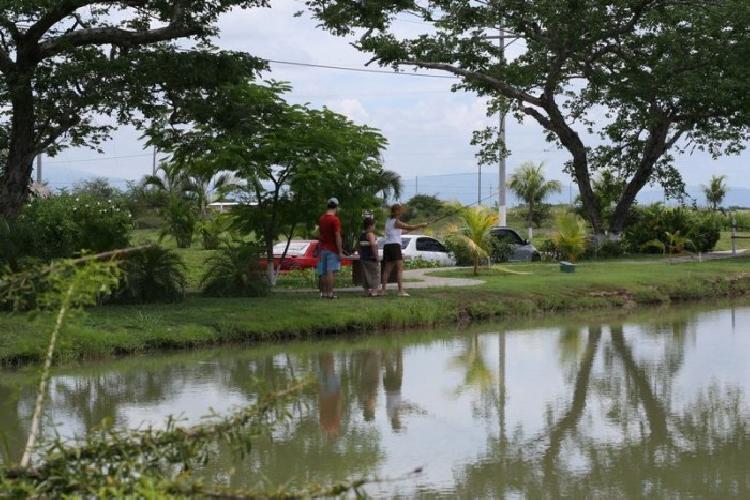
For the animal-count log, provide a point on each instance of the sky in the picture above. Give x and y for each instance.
(428, 127)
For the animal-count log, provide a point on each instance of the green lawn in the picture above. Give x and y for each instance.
(510, 291)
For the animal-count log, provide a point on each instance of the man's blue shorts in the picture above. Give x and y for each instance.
(329, 262)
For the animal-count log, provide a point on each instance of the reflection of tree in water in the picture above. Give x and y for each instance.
(702, 451)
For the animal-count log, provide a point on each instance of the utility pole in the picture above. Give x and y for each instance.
(502, 209)
(479, 185)
(153, 164)
(39, 169)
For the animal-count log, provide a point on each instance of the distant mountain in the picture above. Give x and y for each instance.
(58, 177)
(463, 189)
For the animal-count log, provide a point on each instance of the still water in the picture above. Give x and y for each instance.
(653, 404)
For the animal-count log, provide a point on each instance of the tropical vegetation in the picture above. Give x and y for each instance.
(530, 185)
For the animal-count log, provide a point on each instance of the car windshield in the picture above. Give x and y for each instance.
(404, 243)
(295, 248)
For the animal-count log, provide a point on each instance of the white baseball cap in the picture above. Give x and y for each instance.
(333, 201)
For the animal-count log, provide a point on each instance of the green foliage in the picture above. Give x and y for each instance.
(422, 207)
(72, 63)
(624, 62)
(181, 219)
(571, 236)
(64, 225)
(234, 271)
(716, 191)
(500, 249)
(211, 231)
(530, 185)
(286, 160)
(651, 223)
(151, 275)
(474, 232)
(460, 250)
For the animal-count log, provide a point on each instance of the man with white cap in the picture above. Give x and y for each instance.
(331, 251)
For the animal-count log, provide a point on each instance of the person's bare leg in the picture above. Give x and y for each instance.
(387, 269)
(400, 274)
(331, 283)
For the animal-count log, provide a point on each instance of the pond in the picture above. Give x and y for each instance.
(649, 404)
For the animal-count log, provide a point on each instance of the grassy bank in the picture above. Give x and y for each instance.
(509, 291)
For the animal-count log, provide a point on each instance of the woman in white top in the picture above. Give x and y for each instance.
(392, 248)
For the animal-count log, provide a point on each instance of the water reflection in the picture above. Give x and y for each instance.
(646, 406)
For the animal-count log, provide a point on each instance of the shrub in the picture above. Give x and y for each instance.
(182, 219)
(420, 263)
(702, 228)
(549, 250)
(211, 231)
(608, 249)
(460, 250)
(571, 236)
(154, 274)
(63, 225)
(234, 271)
(500, 249)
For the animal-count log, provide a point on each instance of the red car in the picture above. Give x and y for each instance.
(300, 255)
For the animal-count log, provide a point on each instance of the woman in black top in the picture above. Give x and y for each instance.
(368, 257)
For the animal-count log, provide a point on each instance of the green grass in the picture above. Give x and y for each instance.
(510, 292)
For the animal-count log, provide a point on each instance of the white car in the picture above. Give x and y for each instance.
(427, 248)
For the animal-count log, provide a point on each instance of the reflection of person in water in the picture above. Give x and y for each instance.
(329, 395)
(394, 374)
(367, 373)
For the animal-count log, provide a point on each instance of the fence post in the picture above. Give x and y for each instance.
(734, 235)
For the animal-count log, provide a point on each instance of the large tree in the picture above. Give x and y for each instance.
(73, 69)
(642, 77)
(287, 159)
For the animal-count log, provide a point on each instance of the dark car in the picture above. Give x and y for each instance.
(521, 250)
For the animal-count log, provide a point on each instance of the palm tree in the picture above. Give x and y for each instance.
(571, 236)
(474, 232)
(530, 185)
(389, 183)
(179, 192)
(716, 191)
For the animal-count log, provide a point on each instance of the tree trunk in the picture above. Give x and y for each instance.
(654, 149)
(16, 177)
(530, 219)
(570, 139)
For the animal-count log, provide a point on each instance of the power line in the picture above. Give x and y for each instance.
(101, 158)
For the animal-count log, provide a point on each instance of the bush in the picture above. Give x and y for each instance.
(152, 275)
(702, 228)
(460, 251)
(549, 250)
(420, 263)
(571, 237)
(609, 249)
(234, 271)
(182, 219)
(63, 225)
(211, 231)
(500, 249)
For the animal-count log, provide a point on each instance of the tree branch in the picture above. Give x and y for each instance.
(177, 28)
(506, 89)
